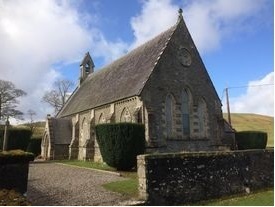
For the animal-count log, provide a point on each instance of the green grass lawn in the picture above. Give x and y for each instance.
(128, 188)
(264, 198)
(87, 164)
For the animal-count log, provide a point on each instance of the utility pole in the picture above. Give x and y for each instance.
(228, 107)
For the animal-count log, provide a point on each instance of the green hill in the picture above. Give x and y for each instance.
(38, 128)
(254, 122)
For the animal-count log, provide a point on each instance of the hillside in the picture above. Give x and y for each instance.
(38, 128)
(254, 122)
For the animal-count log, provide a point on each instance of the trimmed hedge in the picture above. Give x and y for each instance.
(120, 143)
(17, 138)
(35, 146)
(14, 167)
(251, 140)
(15, 156)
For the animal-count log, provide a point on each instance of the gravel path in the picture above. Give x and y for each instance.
(57, 184)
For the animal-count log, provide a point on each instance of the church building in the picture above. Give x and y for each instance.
(162, 84)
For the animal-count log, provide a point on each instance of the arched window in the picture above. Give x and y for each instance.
(125, 115)
(169, 115)
(101, 119)
(185, 112)
(202, 115)
(87, 68)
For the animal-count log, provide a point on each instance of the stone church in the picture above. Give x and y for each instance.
(162, 84)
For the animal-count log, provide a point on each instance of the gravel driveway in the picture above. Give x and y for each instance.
(57, 184)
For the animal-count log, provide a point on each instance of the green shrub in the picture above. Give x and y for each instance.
(17, 138)
(251, 140)
(120, 143)
(35, 146)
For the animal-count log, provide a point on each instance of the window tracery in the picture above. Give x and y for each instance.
(125, 115)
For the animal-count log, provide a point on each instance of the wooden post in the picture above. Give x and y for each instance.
(5, 142)
(228, 107)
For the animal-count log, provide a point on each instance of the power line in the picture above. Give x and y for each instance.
(245, 86)
(235, 87)
(260, 85)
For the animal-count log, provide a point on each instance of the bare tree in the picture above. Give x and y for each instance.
(31, 124)
(9, 95)
(59, 95)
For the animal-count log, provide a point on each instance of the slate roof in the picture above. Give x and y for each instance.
(121, 79)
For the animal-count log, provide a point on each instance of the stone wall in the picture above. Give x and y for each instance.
(170, 179)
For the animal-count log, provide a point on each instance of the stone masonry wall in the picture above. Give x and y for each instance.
(86, 143)
(170, 78)
(170, 179)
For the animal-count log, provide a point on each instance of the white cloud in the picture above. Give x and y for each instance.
(258, 99)
(209, 21)
(101, 47)
(155, 17)
(35, 35)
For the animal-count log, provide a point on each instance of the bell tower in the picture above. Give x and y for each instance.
(86, 67)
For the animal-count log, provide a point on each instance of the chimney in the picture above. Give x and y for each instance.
(86, 67)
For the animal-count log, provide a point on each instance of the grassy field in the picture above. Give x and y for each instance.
(254, 122)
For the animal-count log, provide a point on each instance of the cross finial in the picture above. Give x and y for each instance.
(180, 14)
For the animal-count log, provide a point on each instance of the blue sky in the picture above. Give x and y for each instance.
(43, 41)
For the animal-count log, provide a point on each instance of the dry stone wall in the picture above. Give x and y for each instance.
(170, 179)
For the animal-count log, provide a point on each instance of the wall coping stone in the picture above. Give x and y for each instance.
(202, 153)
